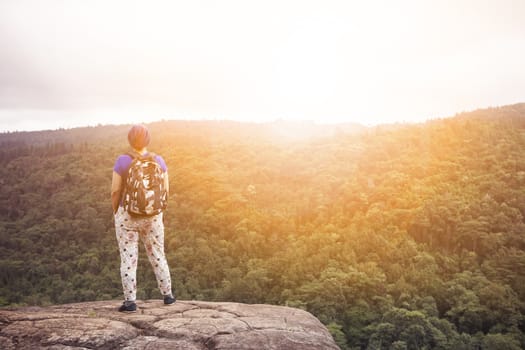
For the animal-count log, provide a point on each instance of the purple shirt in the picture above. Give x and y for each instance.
(124, 162)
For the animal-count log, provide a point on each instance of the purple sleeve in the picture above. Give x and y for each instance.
(162, 163)
(122, 164)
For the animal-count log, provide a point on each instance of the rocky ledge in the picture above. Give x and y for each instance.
(188, 325)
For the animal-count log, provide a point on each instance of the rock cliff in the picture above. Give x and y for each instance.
(188, 325)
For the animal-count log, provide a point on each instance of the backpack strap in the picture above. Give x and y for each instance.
(134, 155)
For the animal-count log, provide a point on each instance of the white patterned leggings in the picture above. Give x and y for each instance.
(151, 232)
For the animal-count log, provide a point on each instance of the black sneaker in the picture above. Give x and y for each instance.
(128, 307)
(168, 299)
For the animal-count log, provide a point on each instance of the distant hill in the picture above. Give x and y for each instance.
(402, 236)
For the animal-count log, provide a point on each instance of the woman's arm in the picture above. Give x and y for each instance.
(116, 183)
(167, 183)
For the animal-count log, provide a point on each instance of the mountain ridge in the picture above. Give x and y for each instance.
(404, 236)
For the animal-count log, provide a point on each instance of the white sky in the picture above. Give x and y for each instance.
(67, 63)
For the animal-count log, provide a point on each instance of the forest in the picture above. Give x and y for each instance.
(402, 236)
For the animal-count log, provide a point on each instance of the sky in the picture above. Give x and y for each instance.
(67, 63)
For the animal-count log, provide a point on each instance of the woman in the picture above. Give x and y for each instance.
(129, 228)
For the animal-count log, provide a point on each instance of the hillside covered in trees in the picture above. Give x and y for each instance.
(396, 236)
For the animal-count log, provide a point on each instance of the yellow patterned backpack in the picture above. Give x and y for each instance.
(144, 191)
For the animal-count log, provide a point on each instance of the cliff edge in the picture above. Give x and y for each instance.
(188, 325)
